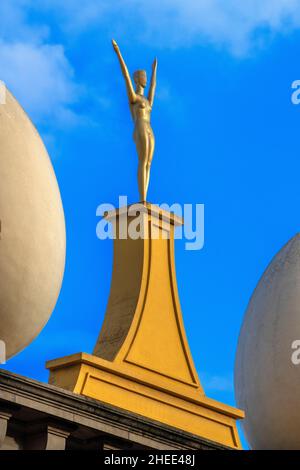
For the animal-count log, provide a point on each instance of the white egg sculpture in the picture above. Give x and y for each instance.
(267, 376)
(32, 235)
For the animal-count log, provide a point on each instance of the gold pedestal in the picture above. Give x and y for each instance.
(142, 361)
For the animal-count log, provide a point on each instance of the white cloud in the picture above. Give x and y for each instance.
(41, 77)
(37, 72)
(14, 23)
(216, 383)
(238, 25)
(77, 15)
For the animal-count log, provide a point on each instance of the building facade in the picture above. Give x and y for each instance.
(39, 416)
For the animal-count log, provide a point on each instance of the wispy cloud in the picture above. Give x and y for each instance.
(37, 71)
(216, 383)
(15, 25)
(42, 77)
(236, 25)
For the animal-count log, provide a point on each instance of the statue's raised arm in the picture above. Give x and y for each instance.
(152, 87)
(129, 86)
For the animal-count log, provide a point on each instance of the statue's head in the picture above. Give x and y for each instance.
(140, 78)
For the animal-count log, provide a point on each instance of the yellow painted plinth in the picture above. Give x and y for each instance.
(141, 361)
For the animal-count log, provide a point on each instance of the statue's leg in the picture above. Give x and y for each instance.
(151, 143)
(141, 180)
(142, 150)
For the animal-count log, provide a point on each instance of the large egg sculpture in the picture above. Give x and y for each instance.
(267, 369)
(32, 230)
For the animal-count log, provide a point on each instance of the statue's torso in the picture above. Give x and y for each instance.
(140, 110)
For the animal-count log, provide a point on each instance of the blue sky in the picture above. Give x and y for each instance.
(226, 136)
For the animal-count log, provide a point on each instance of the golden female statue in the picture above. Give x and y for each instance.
(140, 108)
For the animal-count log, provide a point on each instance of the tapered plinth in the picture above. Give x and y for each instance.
(141, 361)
